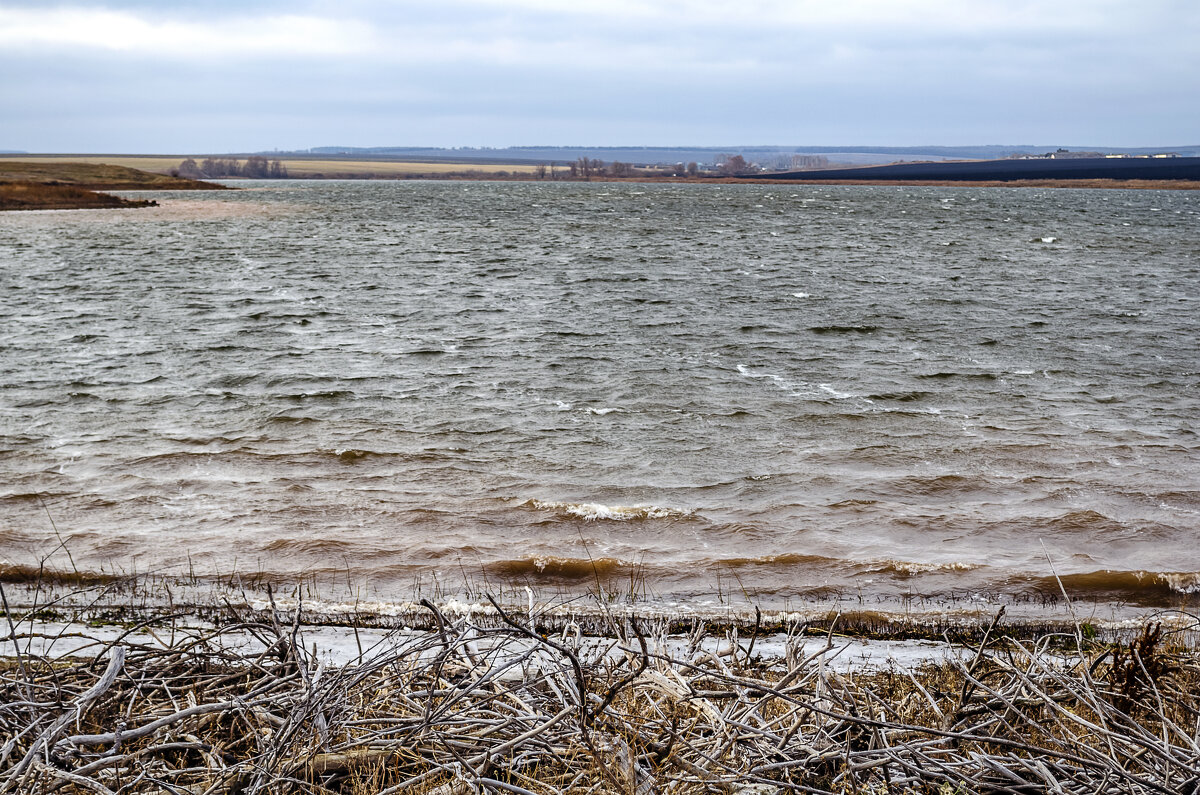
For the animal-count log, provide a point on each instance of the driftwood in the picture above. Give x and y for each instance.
(245, 709)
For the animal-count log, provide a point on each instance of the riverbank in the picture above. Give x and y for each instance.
(487, 700)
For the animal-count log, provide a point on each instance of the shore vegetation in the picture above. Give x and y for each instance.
(40, 196)
(489, 700)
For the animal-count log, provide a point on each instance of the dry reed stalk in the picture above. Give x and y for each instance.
(245, 709)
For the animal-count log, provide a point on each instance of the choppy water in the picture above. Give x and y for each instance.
(779, 392)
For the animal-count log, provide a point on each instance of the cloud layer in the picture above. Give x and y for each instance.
(223, 76)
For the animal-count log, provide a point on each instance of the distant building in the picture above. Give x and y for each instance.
(1066, 154)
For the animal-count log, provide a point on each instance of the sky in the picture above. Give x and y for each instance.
(256, 75)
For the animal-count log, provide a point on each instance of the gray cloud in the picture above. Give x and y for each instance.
(220, 76)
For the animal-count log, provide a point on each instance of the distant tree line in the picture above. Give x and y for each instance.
(586, 168)
(255, 167)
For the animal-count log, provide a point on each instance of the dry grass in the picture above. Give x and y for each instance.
(390, 169)
(495, 706)
(38, 196)
(94, 176)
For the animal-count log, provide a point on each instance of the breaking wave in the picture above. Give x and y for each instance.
(1137, 584)
(549, 567)
(592, 511)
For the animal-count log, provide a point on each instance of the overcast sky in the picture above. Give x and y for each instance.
(219, 76)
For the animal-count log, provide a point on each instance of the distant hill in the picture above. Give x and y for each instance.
(1132, 168)
(767, 156)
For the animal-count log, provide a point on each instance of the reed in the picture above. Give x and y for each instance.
(499, 706)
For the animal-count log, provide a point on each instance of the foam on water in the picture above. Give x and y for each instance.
(592, 511)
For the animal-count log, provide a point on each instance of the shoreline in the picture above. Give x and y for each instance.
(499, 705)
(29, 196)
(94, 600)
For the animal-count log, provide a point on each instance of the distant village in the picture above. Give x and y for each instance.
(1067, 154)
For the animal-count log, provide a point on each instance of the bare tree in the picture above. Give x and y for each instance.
(734, 166)
(189, 170)
(256, 167)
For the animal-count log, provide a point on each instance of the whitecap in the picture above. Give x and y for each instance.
(1183, 582)
(801, 295)
(834, 392)
(593, 511)
(746, 371)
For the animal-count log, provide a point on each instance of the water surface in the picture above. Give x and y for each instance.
(686, 390)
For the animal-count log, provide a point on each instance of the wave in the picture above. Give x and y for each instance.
(1086, 521)
(897, 568)
(319, 395)
(1134, 583)
(936, 485)
(351, 455)
(785, 560)
(969, 376)
(592, 511)
(908, 568)
(291, 419)
(308, 546)
(852, 503)
(549, 567)
(860, 329)
(899, 397)
(34, 496)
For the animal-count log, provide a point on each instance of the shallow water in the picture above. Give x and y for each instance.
(770, 392)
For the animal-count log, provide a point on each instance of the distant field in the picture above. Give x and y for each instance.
(298, 167)
(302, 167)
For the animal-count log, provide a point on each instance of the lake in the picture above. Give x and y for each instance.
(686, 393)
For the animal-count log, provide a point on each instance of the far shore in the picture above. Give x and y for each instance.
(31, 185)
(156, 174)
